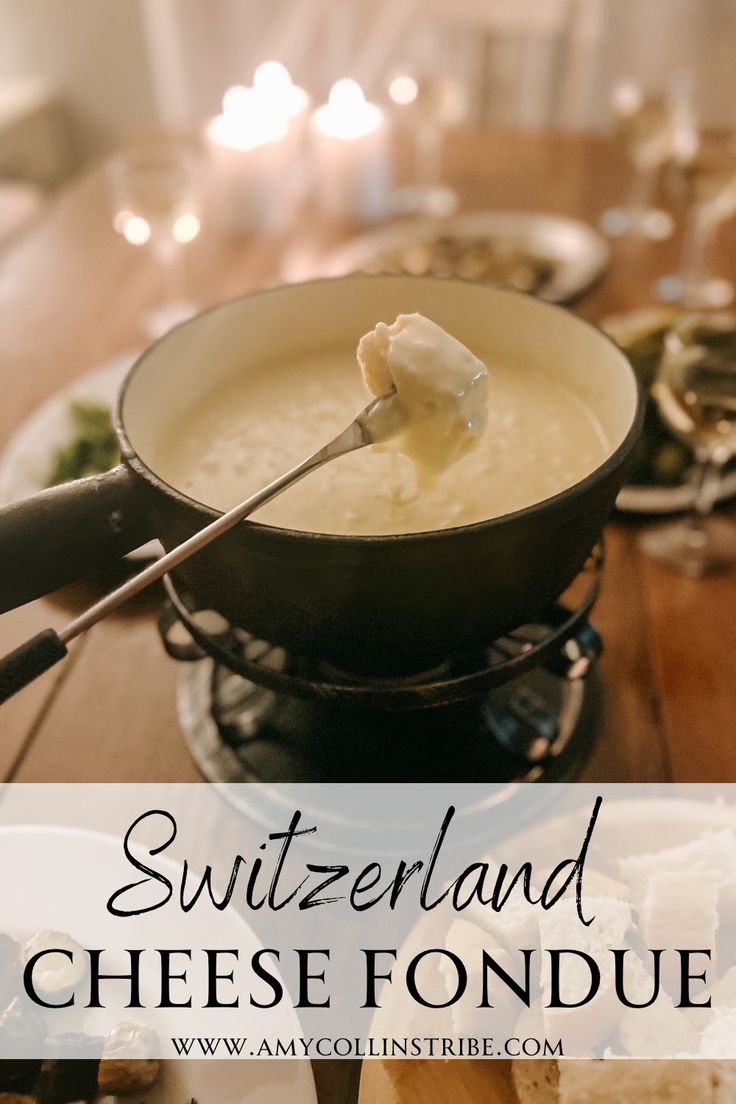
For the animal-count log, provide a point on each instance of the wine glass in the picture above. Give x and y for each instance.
(706, 181)
(695, 390)
(155, 197)
(431, 104)
(654, 127)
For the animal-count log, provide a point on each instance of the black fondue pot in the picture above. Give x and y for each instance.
(370, 605)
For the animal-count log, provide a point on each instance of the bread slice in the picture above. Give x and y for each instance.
(581, 1081)
(536, 1081)
(723, 1075)
(635, 1082)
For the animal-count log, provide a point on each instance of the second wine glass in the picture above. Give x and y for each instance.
(155, 197)
(706, 182)
(695, 390)
(653, 126)
(431, 104)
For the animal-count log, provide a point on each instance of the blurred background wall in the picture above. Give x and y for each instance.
(77, 77)
(74, 77)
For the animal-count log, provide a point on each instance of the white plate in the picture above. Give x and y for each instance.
(46, 849)
(29, 457)
(579, 254)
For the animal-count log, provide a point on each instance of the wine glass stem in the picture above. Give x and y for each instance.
(698, 238)
(640, 196)
(428, 154)
(167, 257)
(706, 493)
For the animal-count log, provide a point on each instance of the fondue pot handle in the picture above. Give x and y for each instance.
(66, 532)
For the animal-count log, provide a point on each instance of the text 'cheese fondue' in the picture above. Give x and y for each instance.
(468, 451)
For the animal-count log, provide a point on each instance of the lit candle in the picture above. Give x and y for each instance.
(278, 94)
(249, 158)
(351, 148)
(246, 123)
(273, 83)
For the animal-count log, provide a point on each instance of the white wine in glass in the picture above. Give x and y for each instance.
(155, 198)
(653, 127)
(695, 390)
(706, 183)
(431, 105)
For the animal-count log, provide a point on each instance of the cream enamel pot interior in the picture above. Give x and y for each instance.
(371, 605)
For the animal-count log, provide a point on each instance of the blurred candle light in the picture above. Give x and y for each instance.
(347, 114)
(236, 101)
(247, 121)
(273, 82)
(249, 160)
(120, 218)
(277, 93)
(627, 97)
(136, 230)
(186, 228)
(351, 146)
(403, 90)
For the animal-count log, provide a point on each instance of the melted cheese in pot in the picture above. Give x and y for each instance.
(540, 438)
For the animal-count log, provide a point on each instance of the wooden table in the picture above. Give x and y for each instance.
(70, 294)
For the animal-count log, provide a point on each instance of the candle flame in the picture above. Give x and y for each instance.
(346, 94)
(248, 120)
(403, 89)
(347, 114)
(272, 76)
(236, 100)
(276, 92)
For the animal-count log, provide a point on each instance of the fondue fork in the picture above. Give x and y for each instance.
(382, 419)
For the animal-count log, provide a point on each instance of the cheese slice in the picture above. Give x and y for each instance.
(583, 1028)
(713, 854)
(659, 1031)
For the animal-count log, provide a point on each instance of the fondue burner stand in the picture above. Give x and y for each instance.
(521, 709)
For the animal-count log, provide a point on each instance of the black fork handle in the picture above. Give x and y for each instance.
(21, 666)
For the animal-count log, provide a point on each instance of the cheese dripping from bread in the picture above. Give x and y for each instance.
(441, 389)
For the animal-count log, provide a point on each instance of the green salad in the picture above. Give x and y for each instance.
(92, 449)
